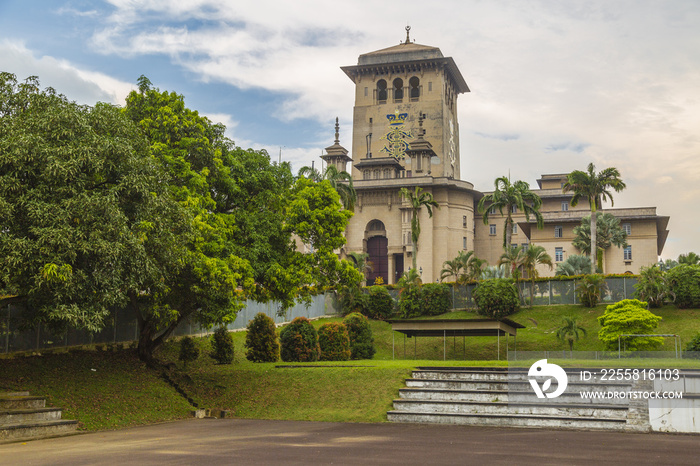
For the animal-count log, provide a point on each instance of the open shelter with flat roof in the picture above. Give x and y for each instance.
(454, 328)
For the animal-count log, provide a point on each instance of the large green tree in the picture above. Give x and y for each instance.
(507, 197)
(245, 210)
(417, 199)
(596, 188)
(80, 202)
(340, 180)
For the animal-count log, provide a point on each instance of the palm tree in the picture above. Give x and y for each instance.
(341, 182)
(575, 264)
(471, 266)
(451, 268)
(534, 256)
(507, 197)
(361, 263)
(512, 258)
(569, 331)
(596, 188)
(417, 199)
(691, 259)
(608, 233)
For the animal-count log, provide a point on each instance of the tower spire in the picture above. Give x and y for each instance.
(408, 40)
(337, 131)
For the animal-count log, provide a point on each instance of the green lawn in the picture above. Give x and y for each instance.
(112, 389)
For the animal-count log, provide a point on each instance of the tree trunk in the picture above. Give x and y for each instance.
(594, 240)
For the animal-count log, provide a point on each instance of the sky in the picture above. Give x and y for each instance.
(554, 85)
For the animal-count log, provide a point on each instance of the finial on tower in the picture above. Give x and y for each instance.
(408, 40)
(337, 131)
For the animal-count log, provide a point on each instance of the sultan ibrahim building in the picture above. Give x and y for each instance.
(406, 135)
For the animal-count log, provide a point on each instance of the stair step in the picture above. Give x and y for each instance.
(445, 394)
(37, 429)
(466, 407)
(22, 402)
(18, 416)
(510, 420)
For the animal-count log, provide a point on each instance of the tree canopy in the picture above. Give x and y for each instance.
(151, 206)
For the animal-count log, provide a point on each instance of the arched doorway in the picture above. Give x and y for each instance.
(377, 249)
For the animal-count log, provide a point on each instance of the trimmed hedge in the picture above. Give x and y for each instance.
(496, 298)
(434, 299)
(334, 341)
(261, 340)
(299, 341)
(188, 351)
(360, 333)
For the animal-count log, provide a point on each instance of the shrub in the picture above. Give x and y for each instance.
(684, 283)
(334, 341)
(381, 305)
(694, 347)
(188, 351)
(222, 346)
(352, 299)
(409, 302)
(496, 298)
(590, 289)
(629, 316)
(261, 340)
(299, 341)
(360, 333)
(434, 299)
(652, 286)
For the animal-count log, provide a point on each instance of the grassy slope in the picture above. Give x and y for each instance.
(122, 392)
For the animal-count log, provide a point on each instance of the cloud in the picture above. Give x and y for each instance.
(83, 86)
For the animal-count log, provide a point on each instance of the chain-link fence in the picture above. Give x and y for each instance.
(17, 335)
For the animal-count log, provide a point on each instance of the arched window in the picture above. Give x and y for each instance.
(376, 225)
(381, 90)
(398, 89)
(414, 84)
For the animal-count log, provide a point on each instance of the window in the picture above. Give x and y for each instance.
(492, 210)
(464, 221)
(558, 254)
(628, 253)
(398, 90)
(414, 85)
(514, 230)
(366, 91)
(430, 86)
(464, 242)
(492, 229)
(525, 246)
(558, 231)
(627, 227)
(564, 206)
(514, 209)
(381, 90)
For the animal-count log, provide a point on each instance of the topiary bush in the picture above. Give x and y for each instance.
(261, 340)
(381, 304)
(629, 317)
(299, 341)
(360, 333)
(188, 351)
(496, 298)
(334, 341)
(222, 346)
(684, 283)
(434, 299)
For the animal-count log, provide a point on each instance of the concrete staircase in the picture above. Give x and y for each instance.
(25, 417)
(493, 397)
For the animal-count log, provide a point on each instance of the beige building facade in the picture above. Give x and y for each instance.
(406, 135)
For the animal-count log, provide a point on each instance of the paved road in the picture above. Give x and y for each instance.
(243, 441)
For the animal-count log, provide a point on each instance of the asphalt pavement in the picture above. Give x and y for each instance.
(249, 441)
